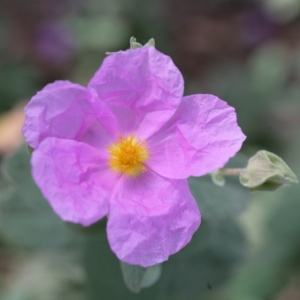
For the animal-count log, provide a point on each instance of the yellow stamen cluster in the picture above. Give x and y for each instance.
(127, 156)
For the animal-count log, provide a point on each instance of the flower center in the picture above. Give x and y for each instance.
(127, 156)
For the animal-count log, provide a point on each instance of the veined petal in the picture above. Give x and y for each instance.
(150, 218)
(199, 139)
(142, 87)
(74, 178)
(64, 110)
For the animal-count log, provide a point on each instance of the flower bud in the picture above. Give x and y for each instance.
(266, 171)
(218, 178)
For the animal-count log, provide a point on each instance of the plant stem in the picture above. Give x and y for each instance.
(231, 172)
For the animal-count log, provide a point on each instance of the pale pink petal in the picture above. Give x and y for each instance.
(142, 87)
(201, 137)
(74, 178)
(150, 218)
(66, 110)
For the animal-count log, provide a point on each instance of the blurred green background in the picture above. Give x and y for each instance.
(248, 53)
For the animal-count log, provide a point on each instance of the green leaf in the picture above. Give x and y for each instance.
(207, 260)
(104, 276)
(137, 277)
(201, 272)
(133, 276)
(151, 42)
(276, 262)
(219, 202)
(152, 275)
(134, 45)
(26, 217)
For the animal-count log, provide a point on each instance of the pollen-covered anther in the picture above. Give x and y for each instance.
(128, 155)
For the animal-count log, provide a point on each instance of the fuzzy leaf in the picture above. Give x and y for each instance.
(136, 277)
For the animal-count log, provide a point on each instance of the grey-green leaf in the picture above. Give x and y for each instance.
(137, 277)
(151, 42)
(219, 202)
(27, 220)
(152, 275)
(134, 44)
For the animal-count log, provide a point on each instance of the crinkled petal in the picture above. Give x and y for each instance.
(65, 110)
(150, 218)
(74, 178)
(201, 138)
(142, 87)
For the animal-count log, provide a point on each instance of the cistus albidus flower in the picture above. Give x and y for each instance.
(124, 147)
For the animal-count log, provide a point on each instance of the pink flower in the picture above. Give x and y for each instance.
(124, 147)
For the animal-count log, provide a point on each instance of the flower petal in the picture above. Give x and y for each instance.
(150, 218)
(65, 110)
(142, 87)
(74, 178)
(199, 139)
